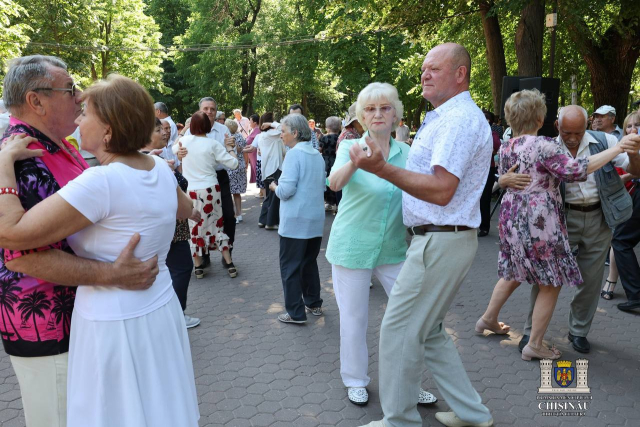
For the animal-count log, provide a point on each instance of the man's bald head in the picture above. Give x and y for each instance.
(573, 116)
(572, 124)
(445, 73)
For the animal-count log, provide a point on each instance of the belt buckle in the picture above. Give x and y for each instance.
(413, 232)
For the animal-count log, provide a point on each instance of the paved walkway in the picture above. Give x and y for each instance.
(252, 370)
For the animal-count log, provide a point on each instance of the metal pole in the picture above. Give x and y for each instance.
(552, 56)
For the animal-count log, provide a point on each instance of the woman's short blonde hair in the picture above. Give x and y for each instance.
(375, 92)
(635, 115)
(524, 110)
(127, 108)
(232, 125)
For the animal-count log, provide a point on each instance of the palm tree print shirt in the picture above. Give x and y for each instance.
(35, 316)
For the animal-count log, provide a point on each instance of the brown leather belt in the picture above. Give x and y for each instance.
(421, 230)
(583, 208)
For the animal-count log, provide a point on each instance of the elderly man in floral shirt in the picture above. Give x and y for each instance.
(37, 287)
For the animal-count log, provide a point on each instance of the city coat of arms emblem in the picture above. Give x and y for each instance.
(563, 373)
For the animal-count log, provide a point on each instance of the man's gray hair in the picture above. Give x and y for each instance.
(562, 111)
(299, 124)
(162, 107)
(26, 74)
(205, 99)
(334, 124)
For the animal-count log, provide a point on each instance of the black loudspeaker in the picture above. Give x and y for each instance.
(549, 87)
(551, 90)
(510, 85)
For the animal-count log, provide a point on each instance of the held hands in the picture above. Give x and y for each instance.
(182, 152)
(16, 147)
(511, 179)
(368, 158)
(630, 144)
(131, 273)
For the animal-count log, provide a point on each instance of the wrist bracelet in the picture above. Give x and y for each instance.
(8, 190)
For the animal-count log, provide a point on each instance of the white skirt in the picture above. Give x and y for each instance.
(132, 373)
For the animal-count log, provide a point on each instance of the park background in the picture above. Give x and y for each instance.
(263, 55)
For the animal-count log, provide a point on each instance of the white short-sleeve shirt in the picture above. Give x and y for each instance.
(457, 137)
(121, 201)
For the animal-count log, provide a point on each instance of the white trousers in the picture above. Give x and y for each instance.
(43, 386)
(351, 287)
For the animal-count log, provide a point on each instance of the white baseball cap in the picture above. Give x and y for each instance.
(605, 109)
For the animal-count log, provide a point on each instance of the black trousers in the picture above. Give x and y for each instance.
(270, 212)
(300, 276)
(180, 264)
(625, 237)
(228, 214)
(485, 200)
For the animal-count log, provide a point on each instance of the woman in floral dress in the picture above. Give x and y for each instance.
(534, 245)
(237, 177)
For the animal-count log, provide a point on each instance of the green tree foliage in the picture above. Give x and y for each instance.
(106, 35)
(13, 37)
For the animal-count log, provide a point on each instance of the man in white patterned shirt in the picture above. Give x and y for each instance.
(442, 183)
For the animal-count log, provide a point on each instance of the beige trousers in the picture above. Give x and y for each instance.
(412, 334)
(43, 386)
(591, 236)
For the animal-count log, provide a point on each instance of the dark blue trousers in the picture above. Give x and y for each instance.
(300, 276)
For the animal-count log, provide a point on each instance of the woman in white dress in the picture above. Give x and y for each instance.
(129, 358)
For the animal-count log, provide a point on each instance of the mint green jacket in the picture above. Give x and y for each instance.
(368, 230)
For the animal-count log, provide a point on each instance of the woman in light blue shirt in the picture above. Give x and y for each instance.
(300, 190)
(367, 236)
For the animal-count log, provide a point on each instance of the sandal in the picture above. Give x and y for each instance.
(481, 325)
(608, 294)
(231, 269)
(199, 273)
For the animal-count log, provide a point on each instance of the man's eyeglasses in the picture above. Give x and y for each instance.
(74, 89)
(385, 109)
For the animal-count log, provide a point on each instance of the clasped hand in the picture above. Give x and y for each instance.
(630, 143)
(369, 157)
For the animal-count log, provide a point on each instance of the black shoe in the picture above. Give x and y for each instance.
(523, 342)
(629, 305)
(580, 344)
(483, 233)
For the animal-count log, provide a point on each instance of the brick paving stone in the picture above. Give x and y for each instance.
(252, 370)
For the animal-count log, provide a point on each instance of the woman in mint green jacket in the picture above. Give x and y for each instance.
(367, 237)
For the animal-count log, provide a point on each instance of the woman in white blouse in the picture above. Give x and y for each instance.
(129, 357)
(199, 168)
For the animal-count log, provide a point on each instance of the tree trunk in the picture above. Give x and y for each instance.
(529, 37)
(495, 52)
(610, 60)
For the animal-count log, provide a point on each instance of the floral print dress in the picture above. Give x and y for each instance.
(207, 234)
(534, 245)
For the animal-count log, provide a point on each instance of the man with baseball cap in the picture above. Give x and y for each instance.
(604, 120)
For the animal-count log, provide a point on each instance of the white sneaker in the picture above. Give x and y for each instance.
(450, 419)
(426, 398)
(191, 322)
(239, 219)
(358, 395)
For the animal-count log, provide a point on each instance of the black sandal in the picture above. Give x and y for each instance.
(231, 269)
(199, 273)
(608, 295)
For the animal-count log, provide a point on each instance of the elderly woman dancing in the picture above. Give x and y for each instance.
(367, 236)
(534, 245)
(127, 349)
(300, 189)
